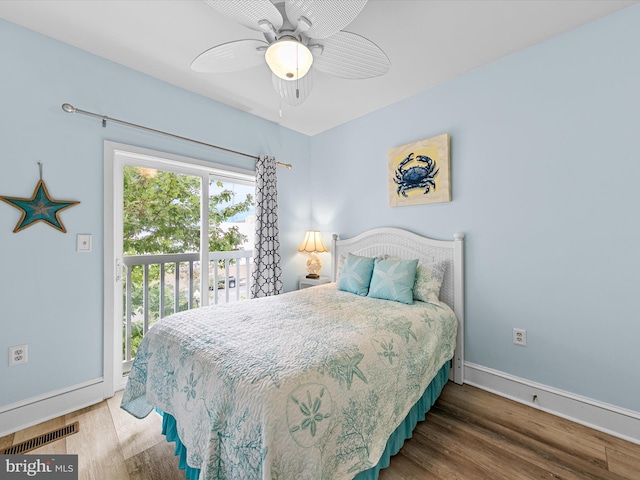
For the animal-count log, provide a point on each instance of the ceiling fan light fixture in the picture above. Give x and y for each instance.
(289, 59)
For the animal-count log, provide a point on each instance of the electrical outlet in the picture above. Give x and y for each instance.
(520, 337)
(18, 354)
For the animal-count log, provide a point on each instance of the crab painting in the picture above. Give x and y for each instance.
(417, 176)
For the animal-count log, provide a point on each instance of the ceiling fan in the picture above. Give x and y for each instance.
(301, 36)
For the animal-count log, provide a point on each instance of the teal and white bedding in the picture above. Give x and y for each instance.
(305, 385)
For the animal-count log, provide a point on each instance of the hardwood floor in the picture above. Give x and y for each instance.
(469, 434)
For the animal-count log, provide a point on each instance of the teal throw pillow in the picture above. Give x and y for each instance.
(393, 280)
(355, 274)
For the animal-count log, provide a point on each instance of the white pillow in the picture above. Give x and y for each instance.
(429, 277)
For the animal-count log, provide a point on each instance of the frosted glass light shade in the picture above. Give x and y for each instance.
(289, 59)
(293, 93)
(312, 242)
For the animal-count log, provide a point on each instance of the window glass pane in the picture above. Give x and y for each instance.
(231, 227)
(162, 226)
(161, 216)
(161, 212)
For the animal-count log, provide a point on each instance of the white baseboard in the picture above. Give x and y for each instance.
(24, 414)
(606, 418)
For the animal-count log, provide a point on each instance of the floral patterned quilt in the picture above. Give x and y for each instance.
(304, 385)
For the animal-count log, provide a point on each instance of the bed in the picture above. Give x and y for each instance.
(320, 383)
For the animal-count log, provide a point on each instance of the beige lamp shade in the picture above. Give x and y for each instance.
(312, 242)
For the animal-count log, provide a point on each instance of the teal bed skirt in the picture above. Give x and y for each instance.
(394, 444)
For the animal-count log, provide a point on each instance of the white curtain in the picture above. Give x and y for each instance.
(266, 255)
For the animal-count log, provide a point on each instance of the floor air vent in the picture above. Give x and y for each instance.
(41, 440)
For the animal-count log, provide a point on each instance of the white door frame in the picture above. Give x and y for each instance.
(116, 156)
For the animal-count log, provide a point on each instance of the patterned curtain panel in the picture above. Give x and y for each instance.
(266, 255)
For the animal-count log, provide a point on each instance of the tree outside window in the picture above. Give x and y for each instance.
(161, 215)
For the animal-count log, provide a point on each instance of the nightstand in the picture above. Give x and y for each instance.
(304, 282)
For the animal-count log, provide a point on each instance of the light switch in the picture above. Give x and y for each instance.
(84, 243)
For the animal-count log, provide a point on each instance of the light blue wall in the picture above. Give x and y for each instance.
(51, 296)
(545, 164)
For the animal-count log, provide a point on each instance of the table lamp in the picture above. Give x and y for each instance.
(313, 243)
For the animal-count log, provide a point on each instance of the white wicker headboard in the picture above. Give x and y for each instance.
(407, 246)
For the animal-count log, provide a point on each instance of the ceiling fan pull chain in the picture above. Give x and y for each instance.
(297, 73)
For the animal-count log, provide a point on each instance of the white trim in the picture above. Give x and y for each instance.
(610, 419)
(204, 239)
(178, 163)
(109, 300)
(458, 306)
(32, 411)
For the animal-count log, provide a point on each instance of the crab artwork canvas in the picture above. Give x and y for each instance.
(419, 172)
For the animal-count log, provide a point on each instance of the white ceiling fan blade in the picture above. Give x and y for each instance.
(248, 14)
(326, 16)
(294, 92)
(230, 57)
(347, 55)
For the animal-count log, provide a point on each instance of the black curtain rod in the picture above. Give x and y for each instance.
(71, 109)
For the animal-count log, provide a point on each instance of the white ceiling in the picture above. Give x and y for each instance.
(428, 43)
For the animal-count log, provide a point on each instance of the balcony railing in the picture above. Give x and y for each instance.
(171, 283)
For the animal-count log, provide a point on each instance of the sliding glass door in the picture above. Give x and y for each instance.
(169, 218)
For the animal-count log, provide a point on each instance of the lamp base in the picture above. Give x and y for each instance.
(313, 266)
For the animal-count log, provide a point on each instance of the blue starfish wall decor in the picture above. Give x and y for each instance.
(39, 208)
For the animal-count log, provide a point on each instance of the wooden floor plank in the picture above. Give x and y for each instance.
(627, 466)
(491, 457)
(96, 444)
(543, 455)
(438, 457)
(157, 462)
(57, 447)
(405, 469)
(39, 429)
(536, 424)
(6, 441)
(135, 435)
